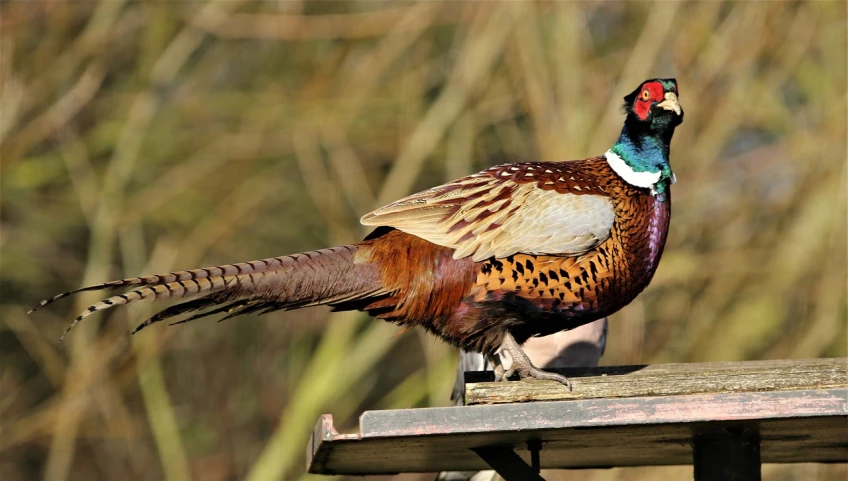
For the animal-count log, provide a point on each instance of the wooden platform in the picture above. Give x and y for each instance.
(775, 411)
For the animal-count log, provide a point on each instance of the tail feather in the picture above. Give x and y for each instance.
(226, 270)
(233, 306)
(250, 308)
(328, 276)
(158, 291)
(176, 310)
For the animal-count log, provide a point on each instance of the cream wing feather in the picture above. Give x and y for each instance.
(491, 215)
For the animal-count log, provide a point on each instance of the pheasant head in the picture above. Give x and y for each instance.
(640, 155)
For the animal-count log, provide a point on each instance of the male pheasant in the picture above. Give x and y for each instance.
(484, 262)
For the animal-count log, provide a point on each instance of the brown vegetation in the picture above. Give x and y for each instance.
(139, 137)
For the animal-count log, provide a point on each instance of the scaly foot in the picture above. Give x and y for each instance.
(521, 364)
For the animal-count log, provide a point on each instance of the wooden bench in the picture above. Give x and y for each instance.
(724, 418)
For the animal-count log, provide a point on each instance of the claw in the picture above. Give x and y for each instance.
(497, 367)
(522, 365)
(499, 373)
(536, 373)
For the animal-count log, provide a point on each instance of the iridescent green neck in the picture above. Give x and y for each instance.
(645, 151)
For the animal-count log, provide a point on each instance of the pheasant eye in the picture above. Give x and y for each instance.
(646, 94)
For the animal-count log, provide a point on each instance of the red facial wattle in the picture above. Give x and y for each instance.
(649, 93)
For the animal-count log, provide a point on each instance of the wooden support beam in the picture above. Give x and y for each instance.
(730, 454)
(507, 464)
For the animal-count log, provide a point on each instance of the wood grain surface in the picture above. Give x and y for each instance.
(663, 380)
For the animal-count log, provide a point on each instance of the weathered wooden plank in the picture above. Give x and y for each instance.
(663, 380)
(794, 426)
(785, 441)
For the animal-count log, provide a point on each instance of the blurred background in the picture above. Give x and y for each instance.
(139, 137)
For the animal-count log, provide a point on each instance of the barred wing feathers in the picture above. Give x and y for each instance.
(532, 208)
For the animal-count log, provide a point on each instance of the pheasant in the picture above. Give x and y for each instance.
(484, 262)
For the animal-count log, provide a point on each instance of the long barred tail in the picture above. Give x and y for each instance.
(327, 276)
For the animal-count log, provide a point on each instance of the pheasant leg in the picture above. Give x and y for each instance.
(521, 364)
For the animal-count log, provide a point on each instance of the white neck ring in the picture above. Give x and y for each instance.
(638, 179)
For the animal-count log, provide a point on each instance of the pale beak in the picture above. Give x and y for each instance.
(671, 103)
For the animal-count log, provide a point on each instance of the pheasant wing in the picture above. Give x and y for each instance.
(532, 208)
